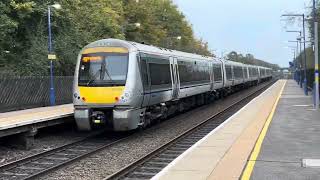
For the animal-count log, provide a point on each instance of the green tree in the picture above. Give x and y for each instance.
(23, 30)
(249, 59)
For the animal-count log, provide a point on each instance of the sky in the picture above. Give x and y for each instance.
(246, 26)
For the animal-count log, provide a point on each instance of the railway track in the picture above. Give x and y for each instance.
(39, 164)
(145, 168)
(152, 163)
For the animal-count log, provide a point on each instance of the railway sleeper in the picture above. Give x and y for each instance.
(145, 175)
(167, 160)
(167, 155)
(10, 174)
(174, 151)
(150, 169)
(154, 163)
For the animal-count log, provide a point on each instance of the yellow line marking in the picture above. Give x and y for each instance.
(253, 157)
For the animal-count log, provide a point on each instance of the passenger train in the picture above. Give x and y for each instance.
(126, 85)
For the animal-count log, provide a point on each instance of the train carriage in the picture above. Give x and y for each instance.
(126, 85)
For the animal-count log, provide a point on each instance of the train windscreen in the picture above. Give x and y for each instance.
(103, 69)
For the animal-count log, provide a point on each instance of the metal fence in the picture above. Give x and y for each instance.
(18, 93)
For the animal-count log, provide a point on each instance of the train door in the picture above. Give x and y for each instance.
(233, 76)
(174, 77)
(224, 75)
(212, 78)
(258, 74)
(144, 69)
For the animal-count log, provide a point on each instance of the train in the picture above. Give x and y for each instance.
(126, 85)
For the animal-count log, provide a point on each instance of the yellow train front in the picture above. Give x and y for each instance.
(106, 91)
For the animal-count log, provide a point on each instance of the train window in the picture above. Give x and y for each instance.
(189, 72)
(144, 73)
(228, 72)
(183, 73)
(159, 74)
(103, 69)
(253, 72)
(238, 74)
(217, 73)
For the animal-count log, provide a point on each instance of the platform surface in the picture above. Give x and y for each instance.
(36, 115)
(224, 152)
(293, 135)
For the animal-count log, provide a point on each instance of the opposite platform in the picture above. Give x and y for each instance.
(10, 121)
(223, 153)
(293, 136)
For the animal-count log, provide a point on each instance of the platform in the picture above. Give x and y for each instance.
(24, 120)
(224, 152)
(291, 146)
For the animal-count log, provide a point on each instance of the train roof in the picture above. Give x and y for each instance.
(133, 46)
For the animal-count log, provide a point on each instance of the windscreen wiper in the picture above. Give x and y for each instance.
(93, 77)
(105, 70)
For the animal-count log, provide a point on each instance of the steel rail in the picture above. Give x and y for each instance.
(44, 162)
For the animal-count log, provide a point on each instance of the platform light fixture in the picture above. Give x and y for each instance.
(51, 55)
(304, 47)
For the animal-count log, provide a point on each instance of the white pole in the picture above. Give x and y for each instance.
(316, 48)
(316, 71)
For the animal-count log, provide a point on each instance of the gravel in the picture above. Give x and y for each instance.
(112, 159)
(46, 139)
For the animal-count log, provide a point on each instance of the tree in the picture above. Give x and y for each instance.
(249, 59)
(23, 30)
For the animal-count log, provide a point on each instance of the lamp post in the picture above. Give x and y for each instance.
(304, 48)
(296, 56)
(296, 67)
(295, 51)
(316, 70)
(51, 55)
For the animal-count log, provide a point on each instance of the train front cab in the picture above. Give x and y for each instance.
(104, 93)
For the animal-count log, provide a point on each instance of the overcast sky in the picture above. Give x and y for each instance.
(246, 26)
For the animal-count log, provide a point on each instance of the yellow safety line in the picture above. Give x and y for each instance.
(253, 157)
